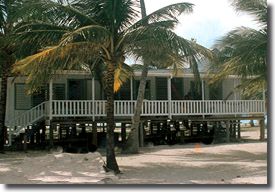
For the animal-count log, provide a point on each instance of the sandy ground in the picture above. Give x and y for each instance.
(235, 163)
(197, 164)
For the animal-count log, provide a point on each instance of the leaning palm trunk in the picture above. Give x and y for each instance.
(132, 143)
(197, 78)
(3, 98)
(3, 110)
(110, 152)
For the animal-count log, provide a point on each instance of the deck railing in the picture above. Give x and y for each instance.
(27, 118)
(158, 108)
(125, 108)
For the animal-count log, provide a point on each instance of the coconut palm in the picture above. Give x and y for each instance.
(243, 51)
(96, 32)
(8, 17)
(192, 53)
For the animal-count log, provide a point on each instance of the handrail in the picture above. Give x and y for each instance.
(97, 108)
(28, 117)
(125, 108)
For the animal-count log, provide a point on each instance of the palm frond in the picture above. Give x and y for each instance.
(94, 33)
(170, 12)
(256, 8)
(253, 87)
(122, 73)
(242, 52)
(246, 52)
(58, 12)
(54, 59)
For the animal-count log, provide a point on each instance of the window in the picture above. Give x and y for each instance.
(177, 89)
(58, 91)
(125, 92)
(161, 88)
(147, 94)
(22, 100)
(215, 92)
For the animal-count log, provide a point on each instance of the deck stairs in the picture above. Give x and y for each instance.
(26, 120)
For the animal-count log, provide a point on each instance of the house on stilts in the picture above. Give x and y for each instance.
(71, 107)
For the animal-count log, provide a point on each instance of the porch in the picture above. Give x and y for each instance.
(95, 109)
(65, 103)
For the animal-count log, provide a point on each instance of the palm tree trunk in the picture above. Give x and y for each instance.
(110, 145)
(143, 8)
(132, 143)
(197, 78)
(3, 98)
(251, 122)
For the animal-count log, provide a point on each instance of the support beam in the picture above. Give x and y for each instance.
(50, 99)
(239, 129)
(235, 94)
(262, 130)
(25, 142)
(202, 90)
(10, 135)
(94, 129)
(141, 134)
(93, 97)
(48, 122)
(169, 96)
(227, 132)
(131, 87)
(203, 97)
(123, 133)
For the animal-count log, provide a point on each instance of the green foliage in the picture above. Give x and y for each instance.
(99, 32)
(243, 51)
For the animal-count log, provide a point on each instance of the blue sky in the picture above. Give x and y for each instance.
(210, 20)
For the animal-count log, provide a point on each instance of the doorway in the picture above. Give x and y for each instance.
(76, 89)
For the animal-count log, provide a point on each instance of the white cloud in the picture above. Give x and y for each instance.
(210, 20)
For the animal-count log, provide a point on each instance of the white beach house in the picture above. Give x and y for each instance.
(75, 97)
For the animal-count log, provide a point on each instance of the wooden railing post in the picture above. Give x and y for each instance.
(50, 99)
(169, 97)
(93, 97)
(202, 95)
(131, 87)
(48, 122)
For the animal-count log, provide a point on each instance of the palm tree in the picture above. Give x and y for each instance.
(191, 52)
(8, 18)
(243, 51)
(91, 33)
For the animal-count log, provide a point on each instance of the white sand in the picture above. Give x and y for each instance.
(54, 168)
(237, 163)
(195, 164)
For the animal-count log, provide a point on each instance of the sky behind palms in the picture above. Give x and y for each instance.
(210, 19)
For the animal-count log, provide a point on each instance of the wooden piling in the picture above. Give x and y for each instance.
(25, 142)
(123, 132)
(262, 130)
(227, 132)
(141, 134)
(239, 129)
(94, 129)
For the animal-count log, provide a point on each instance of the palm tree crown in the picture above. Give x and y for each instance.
(99, 32)
(243, 51)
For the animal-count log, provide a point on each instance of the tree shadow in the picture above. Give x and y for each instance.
(169, 173)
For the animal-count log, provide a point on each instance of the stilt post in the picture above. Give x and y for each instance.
(262, 130)
(141, 134)
(227, 132)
